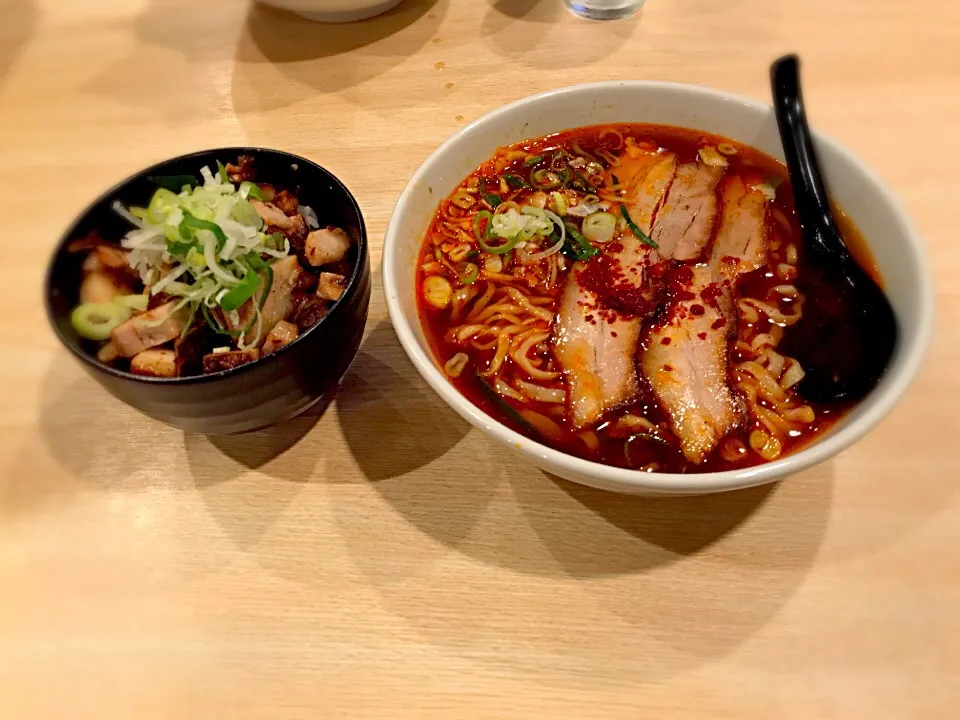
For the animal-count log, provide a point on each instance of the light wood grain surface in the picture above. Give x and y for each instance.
(384, 560)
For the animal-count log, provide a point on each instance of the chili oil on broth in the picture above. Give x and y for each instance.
(490, 316)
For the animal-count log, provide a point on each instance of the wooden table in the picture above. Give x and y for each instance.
(385, 560)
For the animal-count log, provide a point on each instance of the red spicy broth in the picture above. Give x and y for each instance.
(490, 313)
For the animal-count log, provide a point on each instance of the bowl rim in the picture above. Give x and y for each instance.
(67, 236)
(892, 388)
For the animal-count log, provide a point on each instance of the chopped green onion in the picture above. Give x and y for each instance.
(215, 324)
(245, 214)
(190, 224)
(478, 233)
(239, 294)
(502, 405)
(600, 227)
(559, 203)
(174, 183)
(616, 180)
(266, 290)
(95, 321)
(544, 179)
(161, 205)
(274, 241)
(532, 160)
(469, 274)
(255, 261)
(194, 257)
(133, 302)
(577, 245)
(138, 212)
(222, 173)
(251, 190)
(635, 228)
(581, 183)
(493, 200)
(515, 181)
(481, 235)
(180, 248)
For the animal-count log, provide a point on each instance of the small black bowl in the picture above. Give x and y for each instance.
(251, 396)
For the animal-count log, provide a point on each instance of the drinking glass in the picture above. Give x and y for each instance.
(604, 9)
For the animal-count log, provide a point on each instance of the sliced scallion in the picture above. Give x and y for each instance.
(544, 179)
(577, 245)
(644, 238)
(600, 227)
(133, 302)
(251, 190)
(492, 199)
(469, 273)
(161, 205)
(95, 321)
(239, 294)
(484, 218)
(191, 224)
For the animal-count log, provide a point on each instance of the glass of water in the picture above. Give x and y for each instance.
(604, 9)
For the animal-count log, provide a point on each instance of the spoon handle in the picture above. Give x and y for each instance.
(813, 205)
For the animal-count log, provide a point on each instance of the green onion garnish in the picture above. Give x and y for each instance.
(481, 235)
(239, 294)
(190, 224)
(578, 245)
(180, 248)
(222, 173)
(644, 238)
(516, 181)
(533, 160)
(469, 274)
(251, 190)
(161, 205)
(493, 199)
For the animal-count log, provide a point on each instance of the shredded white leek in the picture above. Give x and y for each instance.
(192, 265)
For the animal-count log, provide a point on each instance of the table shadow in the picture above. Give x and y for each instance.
(392, 422)
(19, 25)
(282, 58)
(526, 31)
(386, 421)
(530, 546)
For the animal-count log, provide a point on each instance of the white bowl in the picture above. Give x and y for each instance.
(895, 244)
(335, 10)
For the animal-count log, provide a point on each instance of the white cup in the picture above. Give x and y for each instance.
(336, 11)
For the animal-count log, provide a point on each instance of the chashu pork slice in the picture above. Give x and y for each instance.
(646, 177)
(685, 361)
(686, 358)
(596, 350)
(595, 345)
(686, 219)
(741, 243)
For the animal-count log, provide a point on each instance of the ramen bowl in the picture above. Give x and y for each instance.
(894, 243)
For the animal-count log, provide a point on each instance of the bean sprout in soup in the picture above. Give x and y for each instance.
(621, 293)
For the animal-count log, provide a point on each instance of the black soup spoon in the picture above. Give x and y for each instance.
(848, 330)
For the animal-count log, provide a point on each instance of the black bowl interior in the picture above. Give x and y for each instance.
(313, 185)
